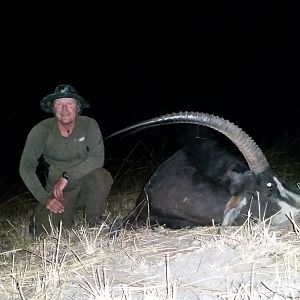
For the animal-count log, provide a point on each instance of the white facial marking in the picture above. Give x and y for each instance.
(232, 213)
(286, 193)
(286, 209)
(280, 187)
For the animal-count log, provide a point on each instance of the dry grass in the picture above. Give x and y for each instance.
(253, 261)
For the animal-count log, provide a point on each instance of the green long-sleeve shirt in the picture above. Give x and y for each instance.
(78, 154)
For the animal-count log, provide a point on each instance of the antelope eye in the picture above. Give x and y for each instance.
(269, 184)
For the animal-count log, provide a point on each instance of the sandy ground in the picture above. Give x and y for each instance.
(192, 264)
(249, 262)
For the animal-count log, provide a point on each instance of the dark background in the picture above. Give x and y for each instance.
(135, 61)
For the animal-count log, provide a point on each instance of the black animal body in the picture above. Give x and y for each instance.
(204, 184)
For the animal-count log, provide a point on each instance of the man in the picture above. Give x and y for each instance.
(72, 150)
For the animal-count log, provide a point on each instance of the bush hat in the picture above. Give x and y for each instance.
(62, 91)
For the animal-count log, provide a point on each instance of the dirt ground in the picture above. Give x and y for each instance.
(190, 264)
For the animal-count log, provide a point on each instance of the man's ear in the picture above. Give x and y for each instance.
(233, 209)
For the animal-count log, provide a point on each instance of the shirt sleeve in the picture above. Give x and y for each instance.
(95, 157)
(29, 161)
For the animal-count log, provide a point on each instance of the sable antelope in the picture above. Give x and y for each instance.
(203, 183)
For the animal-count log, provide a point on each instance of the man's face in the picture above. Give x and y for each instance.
(65, 110)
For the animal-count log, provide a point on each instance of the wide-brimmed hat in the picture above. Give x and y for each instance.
(62, 91)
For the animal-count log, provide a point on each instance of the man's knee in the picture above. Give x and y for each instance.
(100, 179)
(97, 186)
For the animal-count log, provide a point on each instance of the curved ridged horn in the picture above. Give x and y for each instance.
(254, 156)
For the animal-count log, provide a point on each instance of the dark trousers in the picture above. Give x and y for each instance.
(90, 191)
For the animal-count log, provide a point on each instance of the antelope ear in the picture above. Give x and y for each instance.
(233, 209)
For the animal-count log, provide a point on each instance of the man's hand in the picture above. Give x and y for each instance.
(55, 201)
(58, 187)
(55, 205)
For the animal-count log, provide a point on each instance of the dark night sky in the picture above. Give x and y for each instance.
(136, 61)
